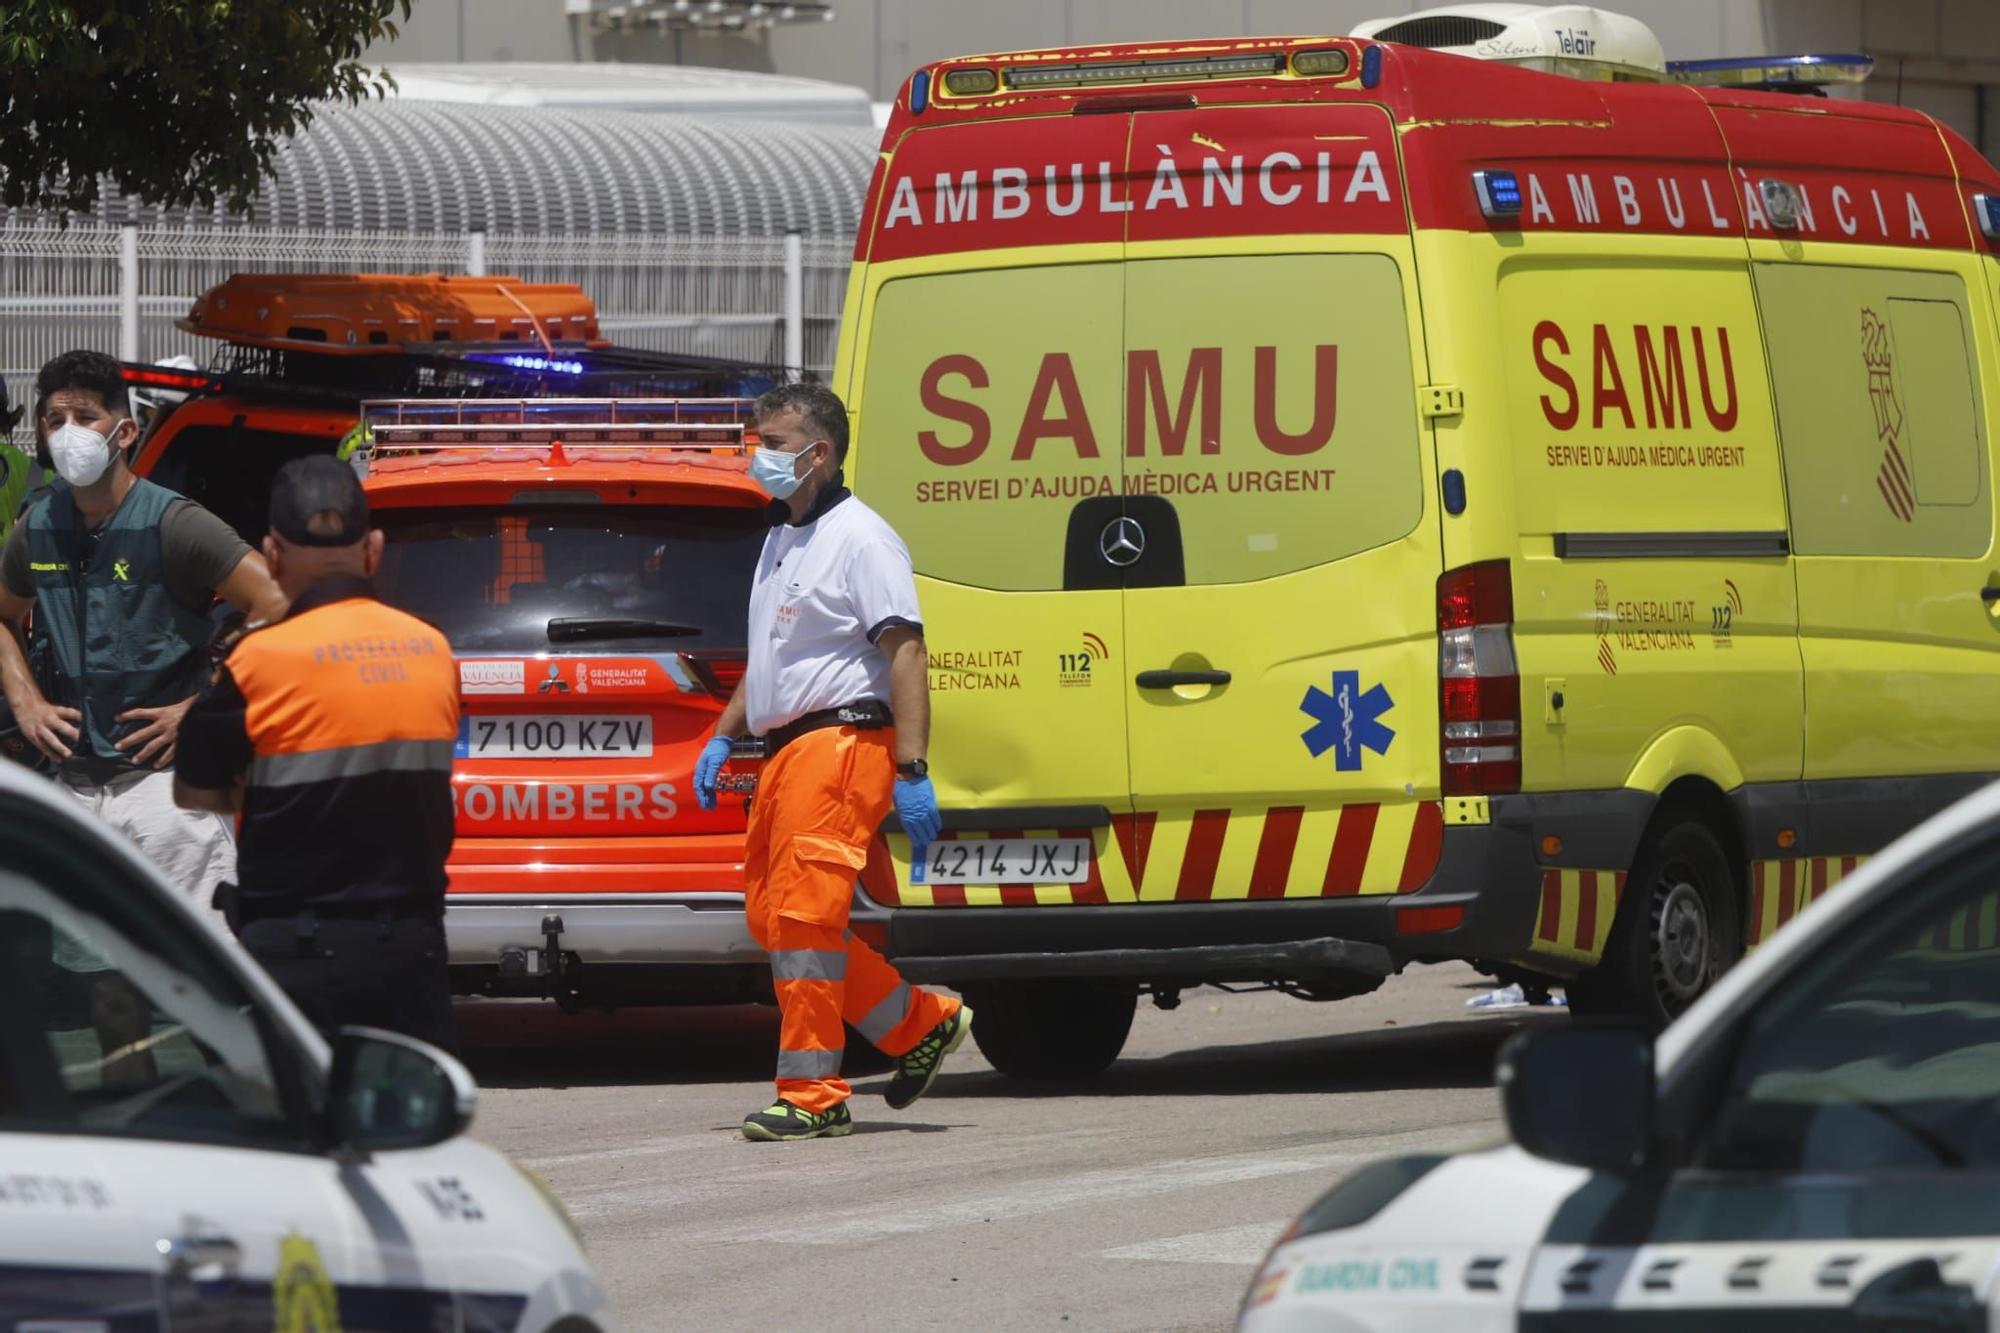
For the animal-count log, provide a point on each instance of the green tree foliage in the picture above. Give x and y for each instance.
(180, 101)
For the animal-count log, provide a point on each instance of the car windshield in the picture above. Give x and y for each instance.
(117, 1015)
(1885, 1052)
(612, 578)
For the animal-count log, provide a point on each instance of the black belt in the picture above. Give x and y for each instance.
(868, 715)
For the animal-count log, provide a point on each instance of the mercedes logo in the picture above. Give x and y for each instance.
(1122, 542)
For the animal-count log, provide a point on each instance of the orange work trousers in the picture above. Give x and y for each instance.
(818, 804)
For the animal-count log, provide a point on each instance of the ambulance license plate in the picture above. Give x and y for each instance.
(1004, 861)
(556, 736)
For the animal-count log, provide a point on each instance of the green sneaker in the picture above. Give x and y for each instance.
(782, 1122)
(916, 1070)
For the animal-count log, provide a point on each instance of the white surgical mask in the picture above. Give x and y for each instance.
(80, 454)
(773, 470)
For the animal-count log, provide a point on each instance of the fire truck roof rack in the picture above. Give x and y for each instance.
(357, 336)
(363, 314)
(406, 426)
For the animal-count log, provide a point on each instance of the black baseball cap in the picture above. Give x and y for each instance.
(317, 501)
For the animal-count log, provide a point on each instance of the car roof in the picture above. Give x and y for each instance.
(1886, 874)
(18, 783)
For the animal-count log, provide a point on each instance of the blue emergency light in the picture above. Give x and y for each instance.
(1371, 67)
(1771, 71)
(555, 365)
(1499, 193)
(1986, 207)
(920, 91)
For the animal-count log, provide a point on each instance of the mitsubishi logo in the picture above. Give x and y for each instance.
(1122, 542)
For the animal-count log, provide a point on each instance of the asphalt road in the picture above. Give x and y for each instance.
(1140, 1200)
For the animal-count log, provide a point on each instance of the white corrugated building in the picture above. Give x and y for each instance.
(666, 192)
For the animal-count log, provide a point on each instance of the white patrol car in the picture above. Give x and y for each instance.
(1814, 1145)
(180, 1150)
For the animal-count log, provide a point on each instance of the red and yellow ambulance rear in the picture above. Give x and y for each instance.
(1375, 506)
(1137, 376)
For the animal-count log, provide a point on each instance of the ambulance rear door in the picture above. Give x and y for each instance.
(988, 415)
(1281, 675)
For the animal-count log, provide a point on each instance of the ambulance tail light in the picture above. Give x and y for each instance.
(1479, 684)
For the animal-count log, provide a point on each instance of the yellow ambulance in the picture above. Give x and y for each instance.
(1375, 505)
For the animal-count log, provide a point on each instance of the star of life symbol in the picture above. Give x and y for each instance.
(1347, 721)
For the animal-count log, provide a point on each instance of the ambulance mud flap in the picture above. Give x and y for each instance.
(1336, 967)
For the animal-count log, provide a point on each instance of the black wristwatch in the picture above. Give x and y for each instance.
(913, 770)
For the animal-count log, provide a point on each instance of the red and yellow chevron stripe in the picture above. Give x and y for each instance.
(1779, 890)
(1577, 909)
(1973, 928)
(1205, 856)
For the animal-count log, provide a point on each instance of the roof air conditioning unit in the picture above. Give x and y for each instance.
(1576, 40)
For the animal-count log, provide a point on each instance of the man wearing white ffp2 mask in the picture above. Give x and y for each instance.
(82, 453)
(120, 575)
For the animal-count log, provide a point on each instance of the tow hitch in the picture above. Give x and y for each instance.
(559, 969)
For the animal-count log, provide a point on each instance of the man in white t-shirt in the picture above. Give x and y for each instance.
(838, 688)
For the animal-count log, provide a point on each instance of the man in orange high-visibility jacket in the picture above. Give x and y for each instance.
(836, 686)
(332, 731)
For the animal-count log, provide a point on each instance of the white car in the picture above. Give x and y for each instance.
(180, 1150)
(1814, 1145)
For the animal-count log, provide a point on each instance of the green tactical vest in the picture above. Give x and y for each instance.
(119, 638)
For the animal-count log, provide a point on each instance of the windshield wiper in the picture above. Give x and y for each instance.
(570, 629)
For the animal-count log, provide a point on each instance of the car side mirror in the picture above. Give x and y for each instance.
(1581, 1094)
(388, 1091)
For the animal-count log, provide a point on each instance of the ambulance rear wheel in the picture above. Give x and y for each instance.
(1679, 927)
(1050, 1029)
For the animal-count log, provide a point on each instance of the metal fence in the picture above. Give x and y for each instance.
(120, 289)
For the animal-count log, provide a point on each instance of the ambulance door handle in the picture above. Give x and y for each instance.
(1990, 593)
(1167, 680)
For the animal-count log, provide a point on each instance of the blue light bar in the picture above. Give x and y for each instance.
(1771, 71)
(553, 365)
(920, 91)
(1986, 208)
(1499, 193)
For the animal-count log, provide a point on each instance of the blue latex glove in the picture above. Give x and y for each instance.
(708, 768)
(917, 808)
